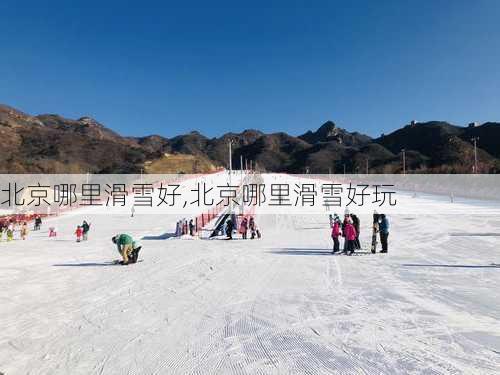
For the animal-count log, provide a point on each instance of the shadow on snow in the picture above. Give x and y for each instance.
(488, 234)
(164, 236)
(492, 265)
(88, 264)
(308, 251)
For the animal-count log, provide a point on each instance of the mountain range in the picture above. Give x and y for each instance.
(53, 144)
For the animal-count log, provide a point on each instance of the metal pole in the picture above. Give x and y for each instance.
(230, 173)
(230, 161)
(241, 164)
(367, 171)
(344, 169)
(475, 139)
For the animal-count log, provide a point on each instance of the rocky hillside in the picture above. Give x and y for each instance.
(53, 144)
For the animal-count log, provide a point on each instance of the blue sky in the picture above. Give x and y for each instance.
(160, 67)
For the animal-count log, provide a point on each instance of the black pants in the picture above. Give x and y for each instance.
(383, 240)
(351, 245)
(336, 244)
(357, 244)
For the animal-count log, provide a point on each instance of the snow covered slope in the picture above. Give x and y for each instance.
(278, 305)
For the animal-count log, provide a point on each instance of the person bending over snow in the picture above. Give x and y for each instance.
(124, 244)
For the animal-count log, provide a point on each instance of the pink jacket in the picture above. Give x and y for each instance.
(350, 232)
(336, 230)
(243, 226)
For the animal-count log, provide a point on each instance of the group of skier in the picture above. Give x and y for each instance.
(82, 231)
(12, 227)
(246, 224)
(9, 229)
(184, 226)
(349, 229)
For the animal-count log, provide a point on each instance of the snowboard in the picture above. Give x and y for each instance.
(118, 262)
(133, 258)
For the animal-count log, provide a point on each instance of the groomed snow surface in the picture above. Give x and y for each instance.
(279, 305)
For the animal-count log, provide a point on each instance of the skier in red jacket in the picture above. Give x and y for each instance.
(336, 232)
(79, 233)
(350, 236)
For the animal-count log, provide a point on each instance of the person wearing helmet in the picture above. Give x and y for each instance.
(124, 244)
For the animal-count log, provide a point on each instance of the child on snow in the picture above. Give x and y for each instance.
(52, 232)
(38, 222)
(24, 230)
(79, 233)
(335, 225)
(244, 228)
(10, 232)
(253, 229)
(191, 228)
(350, 236)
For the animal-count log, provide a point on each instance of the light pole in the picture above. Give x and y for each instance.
(475, 139)
(403, 151)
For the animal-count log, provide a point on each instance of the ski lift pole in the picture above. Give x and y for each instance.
(230, 173)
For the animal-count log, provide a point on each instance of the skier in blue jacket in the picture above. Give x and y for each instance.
(384, 227)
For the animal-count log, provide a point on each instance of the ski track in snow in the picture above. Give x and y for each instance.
(279, 305)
